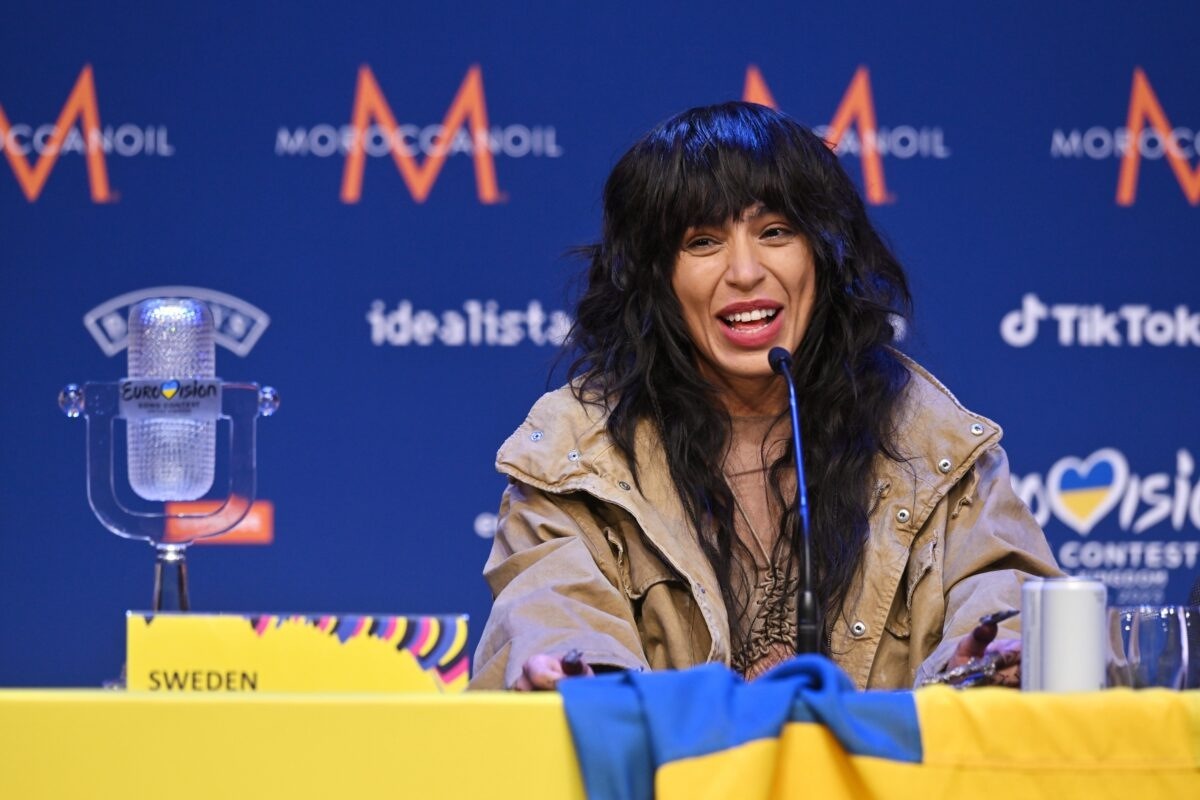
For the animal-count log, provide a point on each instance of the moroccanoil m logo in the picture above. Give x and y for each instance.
(1148, 134)
(77, 131)
(855, 131)
(374, 131)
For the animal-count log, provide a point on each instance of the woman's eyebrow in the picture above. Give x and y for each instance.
(755, 211)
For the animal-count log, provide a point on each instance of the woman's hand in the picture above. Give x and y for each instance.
(1007, 653)
(543, 671)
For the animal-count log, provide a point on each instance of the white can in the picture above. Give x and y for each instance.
(1063, 645)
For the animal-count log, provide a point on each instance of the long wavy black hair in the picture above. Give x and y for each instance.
(634, 355)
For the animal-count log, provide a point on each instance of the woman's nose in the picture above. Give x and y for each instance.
(743, 270)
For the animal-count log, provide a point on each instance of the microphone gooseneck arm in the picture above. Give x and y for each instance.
(807, 624)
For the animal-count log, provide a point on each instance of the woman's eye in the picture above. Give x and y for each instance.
(700, 243)
(775, 231)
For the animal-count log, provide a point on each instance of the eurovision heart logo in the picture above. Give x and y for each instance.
(170, 389)
(1081, 492)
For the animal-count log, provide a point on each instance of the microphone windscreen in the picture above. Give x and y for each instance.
(779, 359)
(1194, 597)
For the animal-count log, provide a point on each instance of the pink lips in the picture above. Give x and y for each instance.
(756, 337)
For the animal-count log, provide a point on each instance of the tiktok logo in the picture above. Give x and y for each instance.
(1096, 326)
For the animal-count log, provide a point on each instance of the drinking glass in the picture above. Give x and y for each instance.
(1154, 646)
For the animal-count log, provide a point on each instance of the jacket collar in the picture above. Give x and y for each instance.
(939, 442)
(563, 447)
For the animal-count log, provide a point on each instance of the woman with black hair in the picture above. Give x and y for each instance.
(650, 518)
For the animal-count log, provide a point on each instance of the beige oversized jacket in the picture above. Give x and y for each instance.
(585, 559)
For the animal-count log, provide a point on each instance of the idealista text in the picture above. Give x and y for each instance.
(479, 323)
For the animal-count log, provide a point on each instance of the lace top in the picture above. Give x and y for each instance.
(765, 632)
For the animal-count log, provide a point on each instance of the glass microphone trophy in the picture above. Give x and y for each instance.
(170, 403)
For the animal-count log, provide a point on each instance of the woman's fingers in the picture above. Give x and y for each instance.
(969, 648)
(543, 671)
(1007, 653)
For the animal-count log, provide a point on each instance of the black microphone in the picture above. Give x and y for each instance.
(1194, 597)
(808, 628)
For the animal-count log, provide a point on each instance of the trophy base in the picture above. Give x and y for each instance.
(170, 578)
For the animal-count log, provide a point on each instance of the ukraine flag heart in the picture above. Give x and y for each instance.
(1081, 492)
(169, 389)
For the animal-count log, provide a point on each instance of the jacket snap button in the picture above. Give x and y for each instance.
(977, 429)
(536, 436)
(623, 485)
(573, 455)
(903, 515)
(858, 628)
(944, 465)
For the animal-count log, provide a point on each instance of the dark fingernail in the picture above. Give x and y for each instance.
(984, 633)
(572, 663)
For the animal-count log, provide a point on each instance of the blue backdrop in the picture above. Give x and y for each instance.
(1034, 166)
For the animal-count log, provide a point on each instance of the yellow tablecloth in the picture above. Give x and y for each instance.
(131, 745)
(95, 744)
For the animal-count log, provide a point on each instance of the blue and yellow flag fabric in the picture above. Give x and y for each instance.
(802, 730)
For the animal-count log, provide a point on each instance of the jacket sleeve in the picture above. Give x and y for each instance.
(991, 546)
(555, 588)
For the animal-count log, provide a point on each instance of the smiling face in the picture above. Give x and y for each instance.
(745, 285)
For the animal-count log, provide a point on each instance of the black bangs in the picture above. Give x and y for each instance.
(716, 162)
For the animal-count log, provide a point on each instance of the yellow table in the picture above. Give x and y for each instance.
(131, 745)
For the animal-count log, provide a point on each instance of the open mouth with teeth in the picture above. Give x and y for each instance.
(750, 320)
